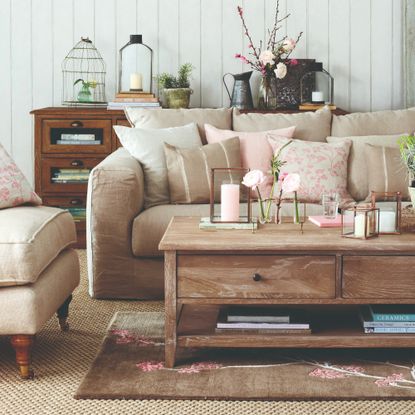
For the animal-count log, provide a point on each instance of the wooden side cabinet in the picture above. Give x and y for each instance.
(69, 142)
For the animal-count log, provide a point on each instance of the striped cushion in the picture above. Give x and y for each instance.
(386, 171)
(189, 169)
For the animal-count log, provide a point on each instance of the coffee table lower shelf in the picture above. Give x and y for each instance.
(335, 329)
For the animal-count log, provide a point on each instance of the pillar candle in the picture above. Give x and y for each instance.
(317, 96)
(387, 222)
(229, 203)
(136, 81)
(359, 226)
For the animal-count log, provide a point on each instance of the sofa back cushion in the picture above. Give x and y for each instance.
(309, 126)
(14, 188)
(373, 123)
(386, 171)
(189, 170)
(147, 146)
(357, 177)
(164, 118)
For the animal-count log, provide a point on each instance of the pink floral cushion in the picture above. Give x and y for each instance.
(256, 152)
(14, 188)
(322, 167)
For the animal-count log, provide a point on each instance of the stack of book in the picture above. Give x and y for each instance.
(391, 319)
(78, 213)
(261, 320)
(78, 140)
(68, 176)
(133, 99)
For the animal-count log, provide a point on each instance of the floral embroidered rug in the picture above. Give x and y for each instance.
(130, 365)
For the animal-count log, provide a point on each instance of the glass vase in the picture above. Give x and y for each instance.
(268, 93)
(84, 95)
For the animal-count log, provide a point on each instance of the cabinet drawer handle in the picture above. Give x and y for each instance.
(76, 202)
(77, 163)
(257, 277)
(77, 124)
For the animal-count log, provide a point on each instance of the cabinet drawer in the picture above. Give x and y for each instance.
(66, 175)
(65, 201)
(378, 277)
(76, 136)
(254, 276)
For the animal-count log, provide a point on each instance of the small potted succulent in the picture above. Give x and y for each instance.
(407, 147)
(176, 89)
(85, 94)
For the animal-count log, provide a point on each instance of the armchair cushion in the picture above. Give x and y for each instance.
(31, 237)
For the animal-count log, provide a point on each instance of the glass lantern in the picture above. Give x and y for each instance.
(360, 222)
(317, 86)
(135, 66)
(390, 211)
(230, 200)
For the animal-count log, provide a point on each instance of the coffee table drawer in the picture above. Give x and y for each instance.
(256, 276)
(378, 277)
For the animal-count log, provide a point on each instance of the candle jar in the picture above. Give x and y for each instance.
(317, 86)
(390, 211)
(230, 200)
(135, 66)
(360, 222)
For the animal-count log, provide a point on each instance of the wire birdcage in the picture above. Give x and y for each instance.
(83, 72)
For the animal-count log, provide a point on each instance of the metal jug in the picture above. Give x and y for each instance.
(241, 94)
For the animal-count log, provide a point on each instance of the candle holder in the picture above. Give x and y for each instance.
(390, 211)
(317, 86)
(230, 200)
(360, 222)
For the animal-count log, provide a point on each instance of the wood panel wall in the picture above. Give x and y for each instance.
(359, 41)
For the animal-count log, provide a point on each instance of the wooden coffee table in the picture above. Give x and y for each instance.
(277, 264)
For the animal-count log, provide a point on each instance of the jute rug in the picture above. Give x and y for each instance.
(130, 366)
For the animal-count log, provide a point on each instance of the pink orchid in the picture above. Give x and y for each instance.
(291, 183)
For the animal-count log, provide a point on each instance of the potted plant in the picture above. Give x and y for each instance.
(176, 89)
(407, 147)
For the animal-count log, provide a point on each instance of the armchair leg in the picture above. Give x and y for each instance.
(22, 345)
(63, 312)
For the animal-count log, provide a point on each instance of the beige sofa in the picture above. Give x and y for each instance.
(122, 237)
(38, 273)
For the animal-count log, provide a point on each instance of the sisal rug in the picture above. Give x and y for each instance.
(130, 365)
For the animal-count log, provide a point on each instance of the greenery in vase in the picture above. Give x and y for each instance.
(84, 94)
(182, 80)
(407, 148)
(273, 58)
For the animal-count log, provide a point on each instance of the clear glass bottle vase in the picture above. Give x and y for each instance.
(268, 93)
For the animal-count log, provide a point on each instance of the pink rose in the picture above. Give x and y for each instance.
(266, 57)
(253, 179)
(291, 183)
(289, 44)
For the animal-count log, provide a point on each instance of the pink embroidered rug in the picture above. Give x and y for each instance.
(130, 366)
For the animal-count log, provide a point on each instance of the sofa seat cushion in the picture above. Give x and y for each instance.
(31, 237)
(150, 225)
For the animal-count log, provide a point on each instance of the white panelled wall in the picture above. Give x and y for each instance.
(359, 42)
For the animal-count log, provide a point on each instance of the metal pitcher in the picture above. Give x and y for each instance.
(241, 94)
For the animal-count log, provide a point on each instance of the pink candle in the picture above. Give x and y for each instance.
(229, 203)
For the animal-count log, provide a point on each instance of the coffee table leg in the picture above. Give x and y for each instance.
(170, 329)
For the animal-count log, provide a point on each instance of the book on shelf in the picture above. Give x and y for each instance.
(135, 100)
(263, 331)
(368, 322)
(389, 330)
(120, 105)
(77, 137)
(392, 312)
(78, 142)
(325, 222)
(73, 171)
(257, 315)
(134, 94)
(206, 224)
(312, 107)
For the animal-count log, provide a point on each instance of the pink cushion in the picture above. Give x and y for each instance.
(256, 152)
(322, 167)
(14, 188)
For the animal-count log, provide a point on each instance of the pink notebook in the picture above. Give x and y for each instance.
(324, 222)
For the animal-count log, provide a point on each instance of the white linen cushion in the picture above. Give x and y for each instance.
(147, 146)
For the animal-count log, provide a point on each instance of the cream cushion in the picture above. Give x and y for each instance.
(150, 225)
(164, 118)
(357, 177)
(147, 146)
(373, 123)
(25, 309)
(31, 237)
(309, 126)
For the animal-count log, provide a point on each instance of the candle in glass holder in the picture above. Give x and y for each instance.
(317, 96)
(229, 202)
(359, 225)
(387, 222)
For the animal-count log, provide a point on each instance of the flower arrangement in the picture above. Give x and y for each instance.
(288, 183)
(407, 149)
(271, 60)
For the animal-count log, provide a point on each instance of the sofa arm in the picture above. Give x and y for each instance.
(115, 198)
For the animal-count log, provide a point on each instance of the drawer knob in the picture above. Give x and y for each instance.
(77, 124)
(77, 163)
(76, 202)
(257, 277)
